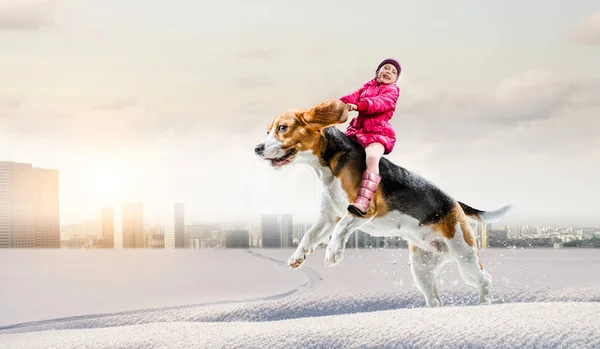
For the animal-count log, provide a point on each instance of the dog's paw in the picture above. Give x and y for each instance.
(298, 258)
(333, 254)
(485, 301)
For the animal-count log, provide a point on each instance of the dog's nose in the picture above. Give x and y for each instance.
(259, 149)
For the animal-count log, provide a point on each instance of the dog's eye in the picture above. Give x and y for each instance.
(281, 128)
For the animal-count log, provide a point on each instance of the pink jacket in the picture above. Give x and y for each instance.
(376, 105)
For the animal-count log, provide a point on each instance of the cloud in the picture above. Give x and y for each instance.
(23, 15)
(587, 32)
(530, 101)
(534, 106)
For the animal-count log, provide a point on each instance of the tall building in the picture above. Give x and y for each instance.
(179, 225)
(287, 230)
(118, 227)
(481, 233)
(47, 221)
(271, 231)
(29, 206)
(277, 230)
(16, 205)
(107, 239)
(175, 228)
(132, 225)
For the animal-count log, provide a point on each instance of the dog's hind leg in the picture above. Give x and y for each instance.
(316, 234)
(425, 266)
(464, 251)
(334, 253)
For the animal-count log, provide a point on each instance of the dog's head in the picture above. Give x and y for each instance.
(297, 131)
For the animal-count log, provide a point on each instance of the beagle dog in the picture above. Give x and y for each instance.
(405, 204)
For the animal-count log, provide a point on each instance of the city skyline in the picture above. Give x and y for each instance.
(162, 213)
(29, 218)
(156, 103)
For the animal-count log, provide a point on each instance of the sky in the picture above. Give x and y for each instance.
(164, 102)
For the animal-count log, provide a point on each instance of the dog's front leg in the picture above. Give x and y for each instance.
(334, 253)
(318, 232)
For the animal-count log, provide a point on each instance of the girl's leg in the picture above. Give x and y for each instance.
(374, 153)
(369, 182)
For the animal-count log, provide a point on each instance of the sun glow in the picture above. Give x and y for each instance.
(106, 185)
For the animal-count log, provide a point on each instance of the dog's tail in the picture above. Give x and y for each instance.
(486, 216)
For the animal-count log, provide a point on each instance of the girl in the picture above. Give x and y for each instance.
(375, 102)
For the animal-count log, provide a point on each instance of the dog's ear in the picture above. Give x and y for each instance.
(324, 114)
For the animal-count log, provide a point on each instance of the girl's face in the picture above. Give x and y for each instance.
(387, 74)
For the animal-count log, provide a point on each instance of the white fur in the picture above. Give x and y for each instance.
(272, 146)
(432, 253)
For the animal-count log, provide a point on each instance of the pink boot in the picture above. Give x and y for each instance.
(368, 187)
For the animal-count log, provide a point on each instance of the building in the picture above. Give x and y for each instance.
(179, 225)
(237, 238)
(481, 233)
(287, 231)
(155, 236)
(205, 234)
(270, 231)
(131, 225)
(29, 206)
(107, 235)
(175, 228)
(277, 230)
(46, 210)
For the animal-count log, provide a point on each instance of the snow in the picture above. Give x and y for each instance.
(543, 298)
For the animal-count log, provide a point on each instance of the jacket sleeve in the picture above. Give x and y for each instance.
(353, 97)
(382, 103)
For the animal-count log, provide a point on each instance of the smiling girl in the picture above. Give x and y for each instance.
(375, 102)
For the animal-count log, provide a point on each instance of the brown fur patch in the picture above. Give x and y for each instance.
(469, 236)
(351, 178)
(325, 114)
(467, 232)
(447, 226)
(413, 248)
(381, 206)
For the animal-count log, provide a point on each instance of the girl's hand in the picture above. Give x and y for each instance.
(352, 107)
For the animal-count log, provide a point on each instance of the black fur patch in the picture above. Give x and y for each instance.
(336, 143)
